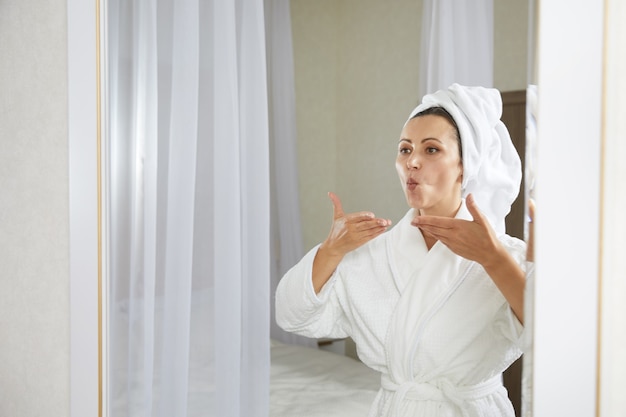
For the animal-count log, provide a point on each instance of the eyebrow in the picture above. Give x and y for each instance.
(422, 141)
(427, 139)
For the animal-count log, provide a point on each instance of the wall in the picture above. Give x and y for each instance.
(351, 83)
(356, 64)
(34, 280)
(510, 45)
(315, 27)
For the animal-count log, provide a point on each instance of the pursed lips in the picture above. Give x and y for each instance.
(411, 184)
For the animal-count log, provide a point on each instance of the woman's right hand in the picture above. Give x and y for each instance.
(348, 232)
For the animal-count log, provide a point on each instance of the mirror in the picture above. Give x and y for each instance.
(369, 103)
(352, 85)
(353, 93)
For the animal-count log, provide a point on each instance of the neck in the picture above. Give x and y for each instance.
(429, 240)
(449, 211)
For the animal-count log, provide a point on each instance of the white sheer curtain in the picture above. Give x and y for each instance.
(456, 44)
(287, 247)
(189, 203)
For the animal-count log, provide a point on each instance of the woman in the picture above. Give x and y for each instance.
(436, 303)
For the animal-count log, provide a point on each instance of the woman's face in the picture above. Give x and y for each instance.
(429, 166)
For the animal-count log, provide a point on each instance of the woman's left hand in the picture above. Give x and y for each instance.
(474, 240)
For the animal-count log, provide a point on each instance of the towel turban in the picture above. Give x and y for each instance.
(492, 170)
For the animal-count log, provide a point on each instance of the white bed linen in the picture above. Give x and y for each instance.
(308, 382)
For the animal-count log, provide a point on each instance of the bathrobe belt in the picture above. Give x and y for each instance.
(439, 390)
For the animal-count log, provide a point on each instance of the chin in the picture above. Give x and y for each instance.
(409, 200)
(417, 205)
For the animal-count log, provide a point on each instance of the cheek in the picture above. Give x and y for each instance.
(452, 174)
(399, 168)
(460, 177)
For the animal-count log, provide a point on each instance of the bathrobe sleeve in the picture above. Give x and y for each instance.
(299, 310)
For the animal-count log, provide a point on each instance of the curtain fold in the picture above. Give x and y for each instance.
(456, 44)
(189, 202)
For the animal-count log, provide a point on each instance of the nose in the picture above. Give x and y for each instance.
(413, 161)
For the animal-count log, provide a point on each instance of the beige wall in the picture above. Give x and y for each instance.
(510, 45)
(357, 64)
(315, 27)
(34, 277)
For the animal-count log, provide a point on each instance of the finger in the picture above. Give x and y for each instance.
(531, 209)
(337, 208)
(472, 207)
(360, 216)
(434, 221)
(370, 224)
(436, 232)
(444, 228)
(372, 233)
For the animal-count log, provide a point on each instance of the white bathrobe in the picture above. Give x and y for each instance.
(434, 324)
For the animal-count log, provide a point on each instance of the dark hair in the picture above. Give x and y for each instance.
(440, 111)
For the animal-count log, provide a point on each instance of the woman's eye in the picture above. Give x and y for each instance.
(404, 150)
(431, 150)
